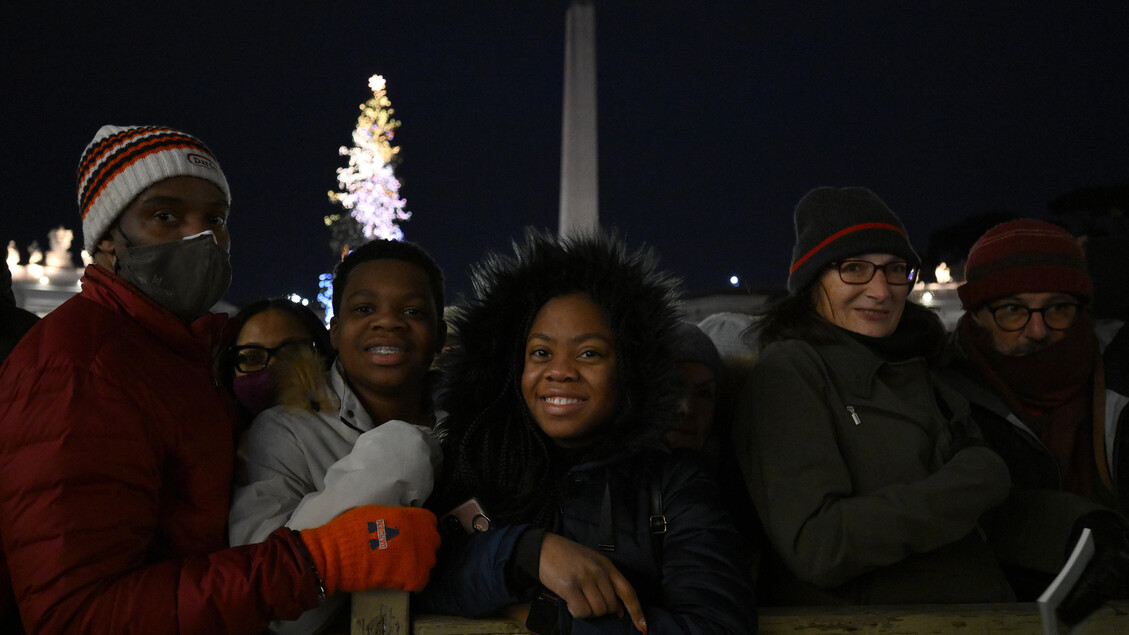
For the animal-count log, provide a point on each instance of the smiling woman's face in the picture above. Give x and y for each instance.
(568, 378)
(873, 309)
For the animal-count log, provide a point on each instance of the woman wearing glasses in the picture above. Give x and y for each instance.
(869, 477)
(270, 330)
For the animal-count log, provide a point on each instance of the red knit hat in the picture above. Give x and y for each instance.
(1024, 256)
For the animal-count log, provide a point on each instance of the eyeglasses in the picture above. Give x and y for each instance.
(1014, 317)
(898, 274)
(253, 358)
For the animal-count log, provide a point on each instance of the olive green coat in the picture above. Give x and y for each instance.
(850, 462)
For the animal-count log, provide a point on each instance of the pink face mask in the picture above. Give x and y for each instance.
(257, 391)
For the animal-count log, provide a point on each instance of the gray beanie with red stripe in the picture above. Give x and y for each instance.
(835, 223)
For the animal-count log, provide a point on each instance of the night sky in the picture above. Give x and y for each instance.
(715, 117)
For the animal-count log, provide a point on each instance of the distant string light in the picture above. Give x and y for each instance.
(943, 274)
(325, 296)
(51, 268)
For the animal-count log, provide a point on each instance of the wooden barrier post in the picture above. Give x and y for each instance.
(380, 612)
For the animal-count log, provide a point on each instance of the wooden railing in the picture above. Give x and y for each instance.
(986, 619)
(386, 613)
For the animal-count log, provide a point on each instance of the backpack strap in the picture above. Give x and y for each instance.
(657, 520)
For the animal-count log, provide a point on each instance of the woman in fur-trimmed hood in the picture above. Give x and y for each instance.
(558, 394)
(486, 415)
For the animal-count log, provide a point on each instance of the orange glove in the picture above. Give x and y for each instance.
(374, 547)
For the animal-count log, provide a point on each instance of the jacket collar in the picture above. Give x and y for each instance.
(620, 457)
(352, 412)
(198, 340)
(852, 363)
(592, 466)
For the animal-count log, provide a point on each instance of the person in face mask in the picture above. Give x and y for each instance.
(118, 442)
(272, 331)
(157, 219)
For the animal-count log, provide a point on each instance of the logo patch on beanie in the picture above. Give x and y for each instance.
(383, 534)
(203, 162)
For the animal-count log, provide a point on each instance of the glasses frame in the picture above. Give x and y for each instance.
(271, 352)
(1042, 311)
(911, 272)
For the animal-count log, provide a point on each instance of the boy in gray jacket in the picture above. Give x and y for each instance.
(371, 439)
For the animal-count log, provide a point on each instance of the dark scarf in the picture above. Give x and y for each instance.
(1051, 391)
(917, 335)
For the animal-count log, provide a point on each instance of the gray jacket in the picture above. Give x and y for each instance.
(301, 469)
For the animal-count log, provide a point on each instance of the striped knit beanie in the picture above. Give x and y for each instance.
(833, 224)
(121, 162)
(1024, 256)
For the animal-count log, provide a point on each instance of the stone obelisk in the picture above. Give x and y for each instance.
(580, 200)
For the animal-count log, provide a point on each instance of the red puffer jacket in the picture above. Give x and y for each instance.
(116, 454)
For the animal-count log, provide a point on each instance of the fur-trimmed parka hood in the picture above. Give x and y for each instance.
(482, 371)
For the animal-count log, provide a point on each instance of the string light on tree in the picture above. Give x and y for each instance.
(369, 188)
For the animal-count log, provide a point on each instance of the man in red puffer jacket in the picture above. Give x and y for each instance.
(117, 445)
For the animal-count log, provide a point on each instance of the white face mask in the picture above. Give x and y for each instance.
(186, 276)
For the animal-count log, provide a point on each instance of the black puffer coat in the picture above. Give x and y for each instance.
(495, 451)
(691, 579)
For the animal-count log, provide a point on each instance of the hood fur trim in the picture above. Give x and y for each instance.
(483, 370)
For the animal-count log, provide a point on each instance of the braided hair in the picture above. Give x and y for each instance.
(495, 450)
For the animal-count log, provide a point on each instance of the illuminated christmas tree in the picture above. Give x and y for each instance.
(369, 191)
